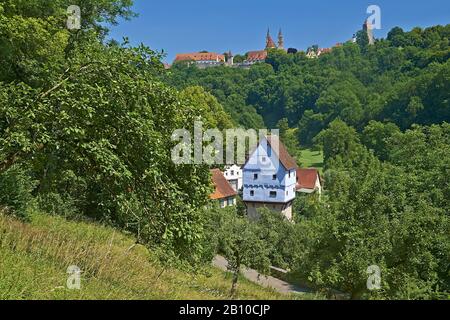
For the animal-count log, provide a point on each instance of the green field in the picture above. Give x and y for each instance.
(311, 159)
(35, 257)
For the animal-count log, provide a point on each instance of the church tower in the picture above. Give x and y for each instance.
(280, 40)
(270, 44)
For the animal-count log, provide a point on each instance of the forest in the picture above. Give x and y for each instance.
(85, 133)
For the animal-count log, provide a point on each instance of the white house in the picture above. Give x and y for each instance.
(269, 178)
(233, 174)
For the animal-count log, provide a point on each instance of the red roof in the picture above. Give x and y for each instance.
(253, 56)
(325, 50)
(270, 44)
(306, 178)
(285, 158)
(200, 56)
(223, 188)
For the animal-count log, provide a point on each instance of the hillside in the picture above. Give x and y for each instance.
(35, 257)
(402, 79)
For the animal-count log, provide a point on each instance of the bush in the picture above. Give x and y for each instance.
(57, 204)
(16, 189)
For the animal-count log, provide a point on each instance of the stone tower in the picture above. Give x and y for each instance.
(280, 40)
(368, 28)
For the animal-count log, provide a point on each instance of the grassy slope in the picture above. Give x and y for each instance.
(311, 159)
(34, 258)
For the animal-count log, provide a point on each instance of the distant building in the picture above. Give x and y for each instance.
(256, 56)
(309, 181)
(202, 59)
(269, 178)
(368, 28)
(315, 53)
(223, 192)
(280, 40)
(261, 55)
(230, 59)
(233, 174)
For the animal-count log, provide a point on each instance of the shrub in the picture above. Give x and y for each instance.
(57, 204)
(16, 189)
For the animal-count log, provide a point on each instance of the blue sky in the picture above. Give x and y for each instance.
(240, 26)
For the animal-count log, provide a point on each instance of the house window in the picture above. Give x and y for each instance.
(222, 203)
(274, 177)
(255, 176)
(289, 173)
(230, 201)
(287, 193)
(232, 172)
(252, 193)
(273, 194)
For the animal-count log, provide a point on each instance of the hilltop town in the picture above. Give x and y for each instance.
(207, 59)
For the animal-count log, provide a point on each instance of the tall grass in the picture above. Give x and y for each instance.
(34, 258)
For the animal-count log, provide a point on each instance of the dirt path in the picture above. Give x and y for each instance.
(269, 281)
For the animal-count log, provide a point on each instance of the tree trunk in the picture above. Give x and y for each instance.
(235, 276)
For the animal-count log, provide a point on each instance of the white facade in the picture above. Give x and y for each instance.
(233, 174)
(267, 183)
(228, 202)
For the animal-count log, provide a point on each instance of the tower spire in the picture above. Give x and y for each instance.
(270, 44)
(280, 40)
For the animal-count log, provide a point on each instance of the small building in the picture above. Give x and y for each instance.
(202, 59)
(309, 181)
(233, 174)
(312, 53)
(223, 192)
(269, 178)
(256, 56)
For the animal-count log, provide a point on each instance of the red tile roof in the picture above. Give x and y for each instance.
(253, 56)
(270, 44)
(285, 158)
(223, 188)
(306, 178)
(324, 50)
(200, 56)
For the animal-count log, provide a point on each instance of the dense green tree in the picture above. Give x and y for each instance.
(92, 123)
(239, 240)
(375, 137)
